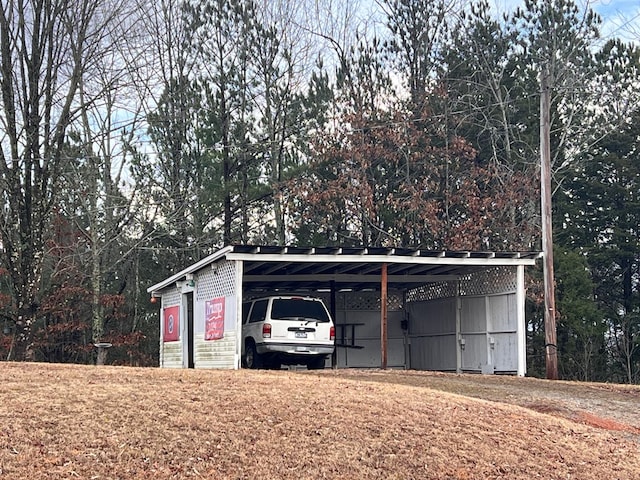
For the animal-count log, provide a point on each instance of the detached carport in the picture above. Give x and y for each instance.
(396, 308)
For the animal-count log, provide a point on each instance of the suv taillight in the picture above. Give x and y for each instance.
(266, 330)
(332, 333)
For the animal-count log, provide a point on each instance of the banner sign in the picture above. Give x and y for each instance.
(171, 324)
(214, 319)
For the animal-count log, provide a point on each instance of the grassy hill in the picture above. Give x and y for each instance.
(69, 421)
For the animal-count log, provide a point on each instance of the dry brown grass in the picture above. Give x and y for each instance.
(61, 421)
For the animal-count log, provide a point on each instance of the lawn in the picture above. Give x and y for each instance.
(70, 421)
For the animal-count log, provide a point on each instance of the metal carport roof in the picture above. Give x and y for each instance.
(268, 267)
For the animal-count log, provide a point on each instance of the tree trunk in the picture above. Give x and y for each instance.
(102, 356)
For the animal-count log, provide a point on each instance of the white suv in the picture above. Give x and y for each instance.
(286, 330)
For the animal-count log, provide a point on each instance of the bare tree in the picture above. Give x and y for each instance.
(45, 49)
(282, 63)
(108, 209)
(176, 169)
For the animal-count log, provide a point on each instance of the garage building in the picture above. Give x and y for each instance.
(393, 308)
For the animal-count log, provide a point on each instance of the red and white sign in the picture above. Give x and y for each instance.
(214, 319)
(171, 324)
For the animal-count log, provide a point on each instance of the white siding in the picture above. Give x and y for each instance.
(488, 334)
(503, 313)
(505, 352)
(473, 331)
(367, 338)
(503, 332)
(209, 283)
(171, 355)
(432, 333)
(215, 282)
(489, 330)
(433, 353)
(170, 352)
(215, 353)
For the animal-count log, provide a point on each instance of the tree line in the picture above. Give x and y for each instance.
(137, 138)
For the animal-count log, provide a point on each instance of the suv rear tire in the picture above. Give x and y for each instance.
(252, 359)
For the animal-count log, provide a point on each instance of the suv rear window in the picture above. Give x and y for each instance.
(258, 311)
(296, 308)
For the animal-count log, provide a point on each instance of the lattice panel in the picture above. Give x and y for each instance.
(485, 282)
(433, 291)
(490, 281)
(395, 302)
(170, 297)
(217, 281)
(369, 301)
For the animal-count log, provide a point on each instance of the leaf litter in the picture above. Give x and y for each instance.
(72, 421)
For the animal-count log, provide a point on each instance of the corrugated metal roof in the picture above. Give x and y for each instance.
(352, 267)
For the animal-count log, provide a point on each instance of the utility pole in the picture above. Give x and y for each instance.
(551, 348)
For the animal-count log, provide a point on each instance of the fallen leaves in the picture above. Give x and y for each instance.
(152, 423)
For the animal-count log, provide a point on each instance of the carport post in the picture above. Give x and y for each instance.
(521, 326)
(458, 328)
(332, 311)
(383, 317)
(239, 264)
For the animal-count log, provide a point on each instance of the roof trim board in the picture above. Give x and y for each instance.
(423, 260)
(324, 259)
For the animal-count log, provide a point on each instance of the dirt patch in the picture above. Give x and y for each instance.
(61, 421)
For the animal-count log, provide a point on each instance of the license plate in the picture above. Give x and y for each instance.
(301, 334)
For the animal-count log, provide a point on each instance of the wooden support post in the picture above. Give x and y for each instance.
(383, 317)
